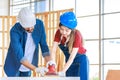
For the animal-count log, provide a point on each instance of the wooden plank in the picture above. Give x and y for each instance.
(3, 42)
(8, 28)
(113, 75)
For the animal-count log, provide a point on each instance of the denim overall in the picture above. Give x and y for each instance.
(80, 65)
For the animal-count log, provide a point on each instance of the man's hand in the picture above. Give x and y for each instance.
(41, 70)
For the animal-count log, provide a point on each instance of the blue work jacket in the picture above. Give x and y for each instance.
(16, 48)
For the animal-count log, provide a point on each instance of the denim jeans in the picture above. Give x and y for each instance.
(23, 74)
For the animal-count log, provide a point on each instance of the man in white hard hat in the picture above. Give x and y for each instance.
(25, 38)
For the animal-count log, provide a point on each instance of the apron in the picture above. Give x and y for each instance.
(80, 65)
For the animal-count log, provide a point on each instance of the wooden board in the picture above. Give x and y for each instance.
(113, 75)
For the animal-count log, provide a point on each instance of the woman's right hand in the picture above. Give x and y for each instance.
(61, 74)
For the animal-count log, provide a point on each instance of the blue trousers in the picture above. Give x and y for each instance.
(23, 74)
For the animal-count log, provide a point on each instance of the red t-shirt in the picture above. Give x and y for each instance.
(78, 41)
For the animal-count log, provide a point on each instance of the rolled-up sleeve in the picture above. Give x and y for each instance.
(43, 42)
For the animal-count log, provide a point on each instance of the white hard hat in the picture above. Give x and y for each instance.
(26, 18)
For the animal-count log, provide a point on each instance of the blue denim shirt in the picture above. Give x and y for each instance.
(16, 48)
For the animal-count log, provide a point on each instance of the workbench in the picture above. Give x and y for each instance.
(39, 78)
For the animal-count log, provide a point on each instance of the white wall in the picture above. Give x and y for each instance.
(3, 7)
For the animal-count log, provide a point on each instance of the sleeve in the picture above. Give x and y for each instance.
(15, 44)
(78, 40)
(57, 36)
(43, 43)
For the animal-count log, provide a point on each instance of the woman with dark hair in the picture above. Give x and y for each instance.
(70, 41)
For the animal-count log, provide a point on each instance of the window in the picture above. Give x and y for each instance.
(36, 5)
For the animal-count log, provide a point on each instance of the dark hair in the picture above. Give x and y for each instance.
(60, 24)
(71, 40)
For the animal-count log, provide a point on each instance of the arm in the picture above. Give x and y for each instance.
(54, 48)
(43, 43)
(57, 38)
(53, 52)
(29, 65)
(41, 70)
(70, 60)
(77, 43)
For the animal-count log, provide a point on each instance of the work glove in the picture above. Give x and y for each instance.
(41, 70)
(61, 74)
(51, 62)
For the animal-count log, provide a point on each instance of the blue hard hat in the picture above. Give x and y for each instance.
(68, 19)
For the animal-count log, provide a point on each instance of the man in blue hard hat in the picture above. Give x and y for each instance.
(70, 41)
